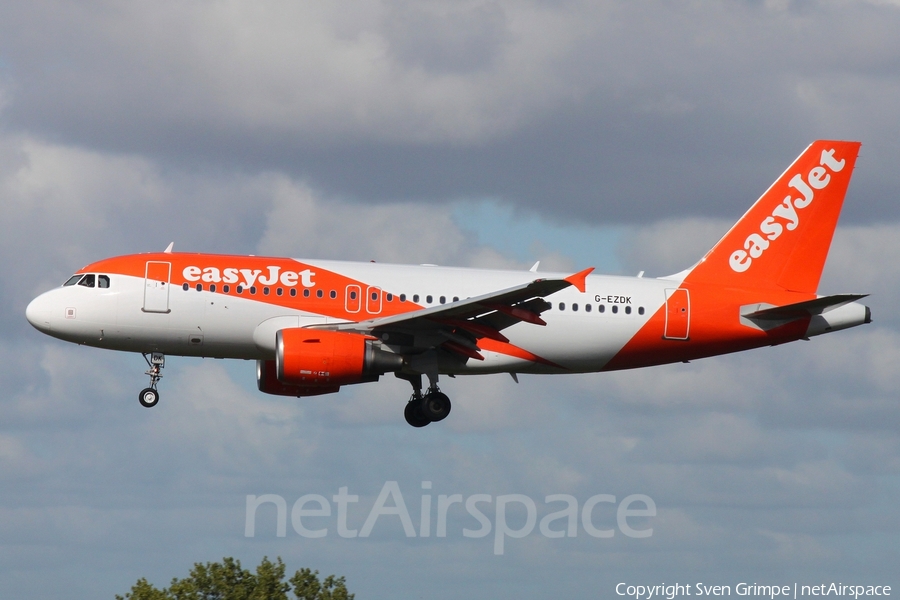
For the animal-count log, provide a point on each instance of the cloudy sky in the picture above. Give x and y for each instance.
(622, 135)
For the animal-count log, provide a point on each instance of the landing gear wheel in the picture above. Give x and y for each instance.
(413, 414)
(435, 406)
(148, 397)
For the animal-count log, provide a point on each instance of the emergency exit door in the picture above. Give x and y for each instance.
(678, 314)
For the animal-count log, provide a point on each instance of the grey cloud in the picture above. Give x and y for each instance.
(445, 38)
(594, 109)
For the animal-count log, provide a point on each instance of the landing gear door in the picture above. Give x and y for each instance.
(156, 286)
(678, 314)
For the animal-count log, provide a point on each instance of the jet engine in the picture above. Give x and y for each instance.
(318, 357)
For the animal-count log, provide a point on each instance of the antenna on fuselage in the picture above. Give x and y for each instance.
(168, 249)
(535, 267)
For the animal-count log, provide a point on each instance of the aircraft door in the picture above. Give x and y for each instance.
(156, 286)
(373, 300)
(678, 314)
(353, 299)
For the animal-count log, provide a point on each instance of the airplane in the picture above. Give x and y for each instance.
(316, 325)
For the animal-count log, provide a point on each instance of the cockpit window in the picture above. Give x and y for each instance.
(102, 281)
(87, 281)
(73, 280)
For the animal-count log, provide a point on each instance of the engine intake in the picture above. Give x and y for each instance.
(316, 357)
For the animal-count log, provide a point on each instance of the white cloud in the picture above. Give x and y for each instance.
(301, 223)
(425, 71)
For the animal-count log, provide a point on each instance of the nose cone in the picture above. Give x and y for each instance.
(38, 313)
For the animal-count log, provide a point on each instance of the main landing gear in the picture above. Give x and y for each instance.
(149, 397)
(430, 407)
(422, 410)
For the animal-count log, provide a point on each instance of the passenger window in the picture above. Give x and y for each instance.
(306, 293)
(562, 306)
(353, 295)
(575, 307)
(333, 294)
(212, 287)
(443, 299)
(199, 287)
(390, 297)
(456, 298)
(615, 309)
(88, 281)
(252, 289)
(73, 280)
(402, 297)
(102, 281)
(428, 299)
(226, 288)
(279, 291)
(185, 286)
(319, 293)
(265, 291)
(601, 308)
(293, 292)
(415, 297)
(240, 289)
(587, 308)
(640, 310)
(627, 310)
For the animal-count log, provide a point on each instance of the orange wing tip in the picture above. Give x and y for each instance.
(579, 278)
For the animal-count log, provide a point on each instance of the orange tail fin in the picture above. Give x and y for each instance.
(783, 240)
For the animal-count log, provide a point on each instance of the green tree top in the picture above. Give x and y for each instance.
(228, 581)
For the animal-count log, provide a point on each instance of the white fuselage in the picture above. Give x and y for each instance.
(584, 329)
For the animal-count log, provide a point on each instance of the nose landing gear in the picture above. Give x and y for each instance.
(149, 397)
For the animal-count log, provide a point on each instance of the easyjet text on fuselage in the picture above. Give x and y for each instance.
(272, 276)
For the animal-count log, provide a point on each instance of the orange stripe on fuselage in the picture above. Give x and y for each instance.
(715, 328)
(213, 267)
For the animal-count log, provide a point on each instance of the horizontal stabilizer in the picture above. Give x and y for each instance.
(799, 310)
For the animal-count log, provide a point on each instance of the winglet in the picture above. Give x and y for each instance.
(578, 278)
(168, 249)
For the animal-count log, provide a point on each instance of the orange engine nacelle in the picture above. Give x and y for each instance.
(267, 382)
(317, 357)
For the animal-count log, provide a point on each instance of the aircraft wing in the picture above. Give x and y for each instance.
(457, 326)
